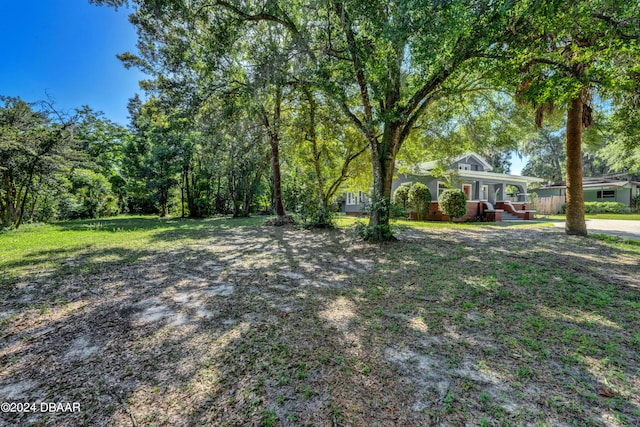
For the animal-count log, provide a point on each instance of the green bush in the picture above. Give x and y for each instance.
(420, 198)
(401, 196)
(605, 207)
(322, 218)
(453, 203)
(396, 211)
(376, 233)
(601, 207)
(373, 233)
(90, 196)
(635, 202)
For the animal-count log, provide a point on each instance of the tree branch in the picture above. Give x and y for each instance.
(355, 59)
(263, 16)
(413, 118)
(615, 24)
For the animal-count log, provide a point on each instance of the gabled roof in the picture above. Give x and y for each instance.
(428, 166)
(594, 183)
(520, 179)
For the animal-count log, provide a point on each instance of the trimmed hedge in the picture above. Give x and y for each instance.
(420, 198)
(453, 203)
(401, 196)
(601, 207)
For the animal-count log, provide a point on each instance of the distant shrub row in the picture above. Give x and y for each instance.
(601, 207)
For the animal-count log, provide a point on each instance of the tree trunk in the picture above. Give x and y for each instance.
(575, 223)
(27, 187)
(314, 147)
(253, 187)
(383, 161)
(190, 196)
(33, 205)
(233, 195)
(7, 219)
(164, 195)
(274, 140)
(182, 195)
(275, 166)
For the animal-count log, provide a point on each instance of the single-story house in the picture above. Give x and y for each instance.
(486, 191)
(613, 188)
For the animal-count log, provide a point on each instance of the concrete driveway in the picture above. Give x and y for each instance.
(628, 229)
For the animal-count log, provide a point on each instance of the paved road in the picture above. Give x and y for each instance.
(629, 229)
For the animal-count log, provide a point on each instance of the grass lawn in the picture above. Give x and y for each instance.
(401, 224)
(228, 322)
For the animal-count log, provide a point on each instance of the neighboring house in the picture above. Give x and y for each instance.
(612, 188)
(486, 191)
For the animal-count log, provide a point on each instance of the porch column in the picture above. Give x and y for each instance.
(480, 196)
(522, 190)
(502, 192)
(492, 193)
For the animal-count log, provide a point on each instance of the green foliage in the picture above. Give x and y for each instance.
(406, 57)
(401, 196)
(37, 146)
(324, 217)
(602, 207)
(453, 203)
(484, 122)
(378, 74)
(91, 196)
(301, 197)
(268, 418)
(546, 154)
(373, 233)
(547, 158)
(396, 211)
(635, 201)
(621, 151)
(381, 229)
(420, 198)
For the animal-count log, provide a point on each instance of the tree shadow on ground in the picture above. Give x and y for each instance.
(250, 326)
(145, 223)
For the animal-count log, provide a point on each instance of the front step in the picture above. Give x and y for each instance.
(506, 216)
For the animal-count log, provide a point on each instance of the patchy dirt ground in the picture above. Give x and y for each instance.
(279, 326)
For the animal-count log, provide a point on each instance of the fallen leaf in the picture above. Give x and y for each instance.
(607, 392)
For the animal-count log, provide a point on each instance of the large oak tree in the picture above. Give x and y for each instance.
(383, 62)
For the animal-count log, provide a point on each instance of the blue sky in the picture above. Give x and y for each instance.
(67, 48)
(517, 164)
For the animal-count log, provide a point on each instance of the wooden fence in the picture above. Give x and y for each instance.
(549, 205)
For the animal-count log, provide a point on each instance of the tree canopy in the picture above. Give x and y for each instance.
(330, 96)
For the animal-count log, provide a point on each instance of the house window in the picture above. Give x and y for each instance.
(360, 197)
(441, 187)
(484, 192)
(350, 199)
(464, 167)
(607, 194)
(467, 190)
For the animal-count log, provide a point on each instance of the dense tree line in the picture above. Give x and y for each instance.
(389, 68)
(278, 106)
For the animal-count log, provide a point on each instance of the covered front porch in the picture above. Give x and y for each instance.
(480, 210)
(488, 198)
